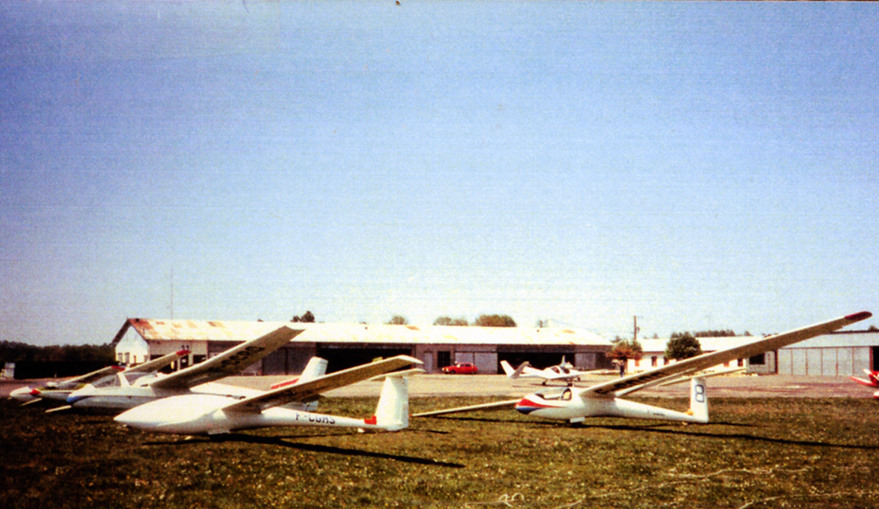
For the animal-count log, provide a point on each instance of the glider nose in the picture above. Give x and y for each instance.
(527, 405)
(24, 394)
(137, 417)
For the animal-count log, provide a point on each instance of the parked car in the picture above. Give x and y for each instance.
(461, 368)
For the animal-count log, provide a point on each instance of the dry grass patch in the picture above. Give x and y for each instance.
(757, 453)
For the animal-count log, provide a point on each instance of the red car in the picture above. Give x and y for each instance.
(461, 368)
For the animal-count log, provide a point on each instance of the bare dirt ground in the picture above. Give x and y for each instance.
(500, 386)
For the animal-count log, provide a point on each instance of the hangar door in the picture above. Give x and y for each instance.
(544, 358)
(344, 357)
(539, 357)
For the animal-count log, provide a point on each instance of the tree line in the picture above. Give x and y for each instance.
(481, 321)
(680, 346)
(14, 351)
(496, 320)
(727, 333)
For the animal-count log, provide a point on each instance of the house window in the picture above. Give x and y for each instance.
(654, 362)
(758, 359)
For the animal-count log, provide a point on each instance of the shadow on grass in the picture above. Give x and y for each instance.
(663, 430)
(459, 418)
(285, 442)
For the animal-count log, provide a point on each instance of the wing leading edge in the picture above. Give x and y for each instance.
(306, 391)
(712, 359)
(93, 376)
(228, 363)
(157, 364)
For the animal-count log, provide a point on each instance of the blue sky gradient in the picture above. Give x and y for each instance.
(699, 165)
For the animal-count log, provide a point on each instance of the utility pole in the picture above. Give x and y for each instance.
(636, 328)
(172, 292)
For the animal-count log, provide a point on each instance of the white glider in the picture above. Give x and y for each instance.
(564, 371)
(59, 391)
(194, 414)
(197, 378)
(575, 405)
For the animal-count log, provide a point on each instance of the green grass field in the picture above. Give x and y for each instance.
(757, 453)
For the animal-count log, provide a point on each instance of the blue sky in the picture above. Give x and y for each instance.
(699, 165)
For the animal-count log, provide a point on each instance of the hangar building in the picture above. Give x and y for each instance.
(347, 345)
(834, 354)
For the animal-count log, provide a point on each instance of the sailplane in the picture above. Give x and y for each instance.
(574, 405)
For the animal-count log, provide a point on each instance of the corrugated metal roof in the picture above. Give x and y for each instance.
(151, 329)
(216, 330)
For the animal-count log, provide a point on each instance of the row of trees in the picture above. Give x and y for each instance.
(680, 346)
(481, 321)
(14, 351)
(728, 333)
(307, 317)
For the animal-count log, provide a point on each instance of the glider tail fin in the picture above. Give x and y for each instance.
(514, 373)
(699, 399)
(316, 367)
(507, 368)
(392, 413)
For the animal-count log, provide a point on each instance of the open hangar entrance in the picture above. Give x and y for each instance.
(545, 357)
(341, 357)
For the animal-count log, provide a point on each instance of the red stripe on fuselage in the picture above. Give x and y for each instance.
(534, 404)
